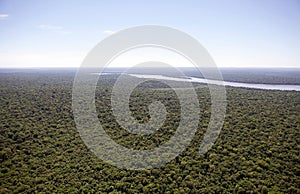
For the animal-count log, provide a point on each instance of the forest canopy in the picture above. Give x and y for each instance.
(41, 149)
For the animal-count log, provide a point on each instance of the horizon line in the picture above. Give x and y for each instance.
(242, 67)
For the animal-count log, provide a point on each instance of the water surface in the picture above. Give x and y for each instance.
(225, 83)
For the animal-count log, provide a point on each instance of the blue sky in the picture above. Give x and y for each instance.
(59, 33)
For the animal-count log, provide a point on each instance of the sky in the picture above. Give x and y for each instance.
(236, 33)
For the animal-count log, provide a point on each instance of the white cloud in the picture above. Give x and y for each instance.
(28, 60)
(145, 54)
(108, 32)
(49, 27)
(3, 16)
(53, 28)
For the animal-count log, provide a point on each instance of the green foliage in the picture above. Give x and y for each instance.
(41, 150)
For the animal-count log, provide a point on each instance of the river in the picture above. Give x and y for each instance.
(226, 83)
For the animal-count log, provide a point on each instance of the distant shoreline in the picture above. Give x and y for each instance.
(274, 76)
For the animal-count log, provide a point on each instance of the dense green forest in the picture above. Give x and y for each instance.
(41, 150)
